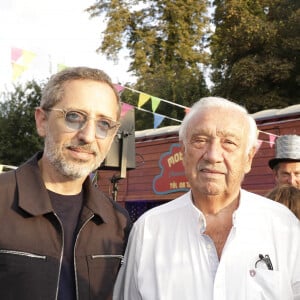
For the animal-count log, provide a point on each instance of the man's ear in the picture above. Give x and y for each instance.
(250, 159)
(40, 121)
(275, 174)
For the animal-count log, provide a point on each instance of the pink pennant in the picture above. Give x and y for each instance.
(259, 143)
(119, 88)
(272, 139)
(16, 53)
(125, 108)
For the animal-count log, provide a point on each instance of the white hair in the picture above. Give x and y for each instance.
(218, 102)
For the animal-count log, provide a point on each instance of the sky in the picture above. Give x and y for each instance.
(55, 32)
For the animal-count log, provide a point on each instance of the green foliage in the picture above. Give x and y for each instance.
(18, 137)
(166, 42)
(255, 52)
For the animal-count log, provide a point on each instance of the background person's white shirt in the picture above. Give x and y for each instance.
(170, 258)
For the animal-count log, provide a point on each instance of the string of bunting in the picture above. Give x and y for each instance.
(155, 102)
(158, 118)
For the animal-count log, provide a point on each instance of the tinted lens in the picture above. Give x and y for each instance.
(104, 128)
(75, 120)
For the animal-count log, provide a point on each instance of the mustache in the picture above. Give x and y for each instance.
(83, 147)
(211, 168)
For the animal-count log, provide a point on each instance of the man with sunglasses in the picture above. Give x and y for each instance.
(60, 237)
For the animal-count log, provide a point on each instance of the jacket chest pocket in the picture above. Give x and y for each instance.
(11, 259)
(102, 273)
(25, 275)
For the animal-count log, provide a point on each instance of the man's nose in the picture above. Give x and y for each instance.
(292, 180)
(214, 152)
(88, 132)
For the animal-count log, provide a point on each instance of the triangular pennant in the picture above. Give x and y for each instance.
(61, 67)
(272, 139)
(27, 57)
(125, 108)
(155, 103)
(187, 110)
(17, 71)
(259, 142)
(16, 53)
(143, 98)
(119, 88)
(158, 119)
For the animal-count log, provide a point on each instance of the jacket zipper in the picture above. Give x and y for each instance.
(75, 269)
(21, 253)
(61, 255)
(121, 257)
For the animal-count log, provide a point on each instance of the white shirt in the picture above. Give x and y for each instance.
(169, 257)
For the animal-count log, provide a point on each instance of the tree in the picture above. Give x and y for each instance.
(166, 42)
(255, 52)
(18, 137)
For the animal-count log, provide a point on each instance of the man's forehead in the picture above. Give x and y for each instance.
(291, 165)
(208, 123)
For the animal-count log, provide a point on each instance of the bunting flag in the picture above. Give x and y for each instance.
(155, 103)
(27, 57)
(272, 139)
(16, 53)
(21, 60)
(157, 120)
(119, 88)
(125, 108)
(259, 143)
(17, 71)
(61, 67)
(143, 98)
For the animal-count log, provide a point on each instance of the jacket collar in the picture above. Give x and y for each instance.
(34, 198)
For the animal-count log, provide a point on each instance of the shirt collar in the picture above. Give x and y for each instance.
(199, 216)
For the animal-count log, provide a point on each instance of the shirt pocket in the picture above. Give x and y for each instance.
(265, 285)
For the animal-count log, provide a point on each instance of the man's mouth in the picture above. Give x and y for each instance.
(86, 150)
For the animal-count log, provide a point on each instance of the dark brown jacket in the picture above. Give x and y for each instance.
(31, 240)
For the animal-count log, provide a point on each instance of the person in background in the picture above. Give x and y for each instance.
(217, 241)
(288, 195)
(60, 237)
(286, 164)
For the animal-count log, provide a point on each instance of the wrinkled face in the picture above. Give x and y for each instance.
(288, 173)
(76, 153)
(215, 152)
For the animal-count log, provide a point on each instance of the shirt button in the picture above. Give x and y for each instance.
(252, 273)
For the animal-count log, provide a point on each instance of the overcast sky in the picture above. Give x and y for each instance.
(58, 31)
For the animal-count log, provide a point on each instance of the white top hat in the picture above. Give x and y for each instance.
(287, 148)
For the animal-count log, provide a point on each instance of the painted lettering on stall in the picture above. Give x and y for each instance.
(171, 178)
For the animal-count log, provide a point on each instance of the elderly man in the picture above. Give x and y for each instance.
(60, 237)
(217, 241)
(286, 164)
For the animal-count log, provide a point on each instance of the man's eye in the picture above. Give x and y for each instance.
(74, 116)
(229, 142)
(104, 124)
(198, 142)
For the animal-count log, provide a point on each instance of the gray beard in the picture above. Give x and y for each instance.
(74, 169)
